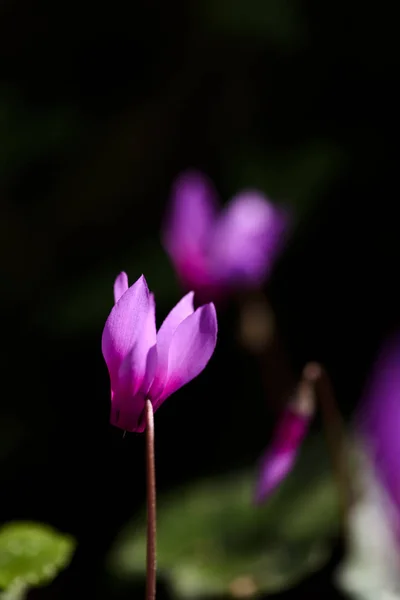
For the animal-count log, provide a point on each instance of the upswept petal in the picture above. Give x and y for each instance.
(138, 367)
(151, 337)
(123, 326)
(135, 376)
(183, 309)
(145, 350)
(190, 349)
(247, 238)
(191, 215)
(120, 286)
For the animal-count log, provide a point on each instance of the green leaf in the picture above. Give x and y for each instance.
(17, 591)
(212, 539)
(32, 554)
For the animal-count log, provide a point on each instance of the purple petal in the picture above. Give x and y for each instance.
(138, 367)
(135, 376)
(274, 469)
(127, 405)
(183, 309)
(127, 412)
(120, 286)
(191, 216)
(123, 326)
(190, 349)
(247, 239)
(379, 418)
(280, 457)
(192, 212)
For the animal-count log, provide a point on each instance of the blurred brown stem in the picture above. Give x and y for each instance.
(151, 505)
(335, 433)
(260, 336)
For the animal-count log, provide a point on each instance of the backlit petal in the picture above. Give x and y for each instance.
(135, 375)
(190, 349)
(120, 286)
(183, 309)
(123, 326)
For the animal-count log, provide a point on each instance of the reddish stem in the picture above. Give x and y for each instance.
(151, 505)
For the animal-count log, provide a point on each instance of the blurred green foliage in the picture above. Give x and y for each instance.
(299, 177)
(211, 535)
(84, 304)
(278, 21)
(12, 433)
(31, 554)
(27, 133)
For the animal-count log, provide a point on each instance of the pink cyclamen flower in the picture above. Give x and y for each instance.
(145, 364)
(290, 431)
(213, 250)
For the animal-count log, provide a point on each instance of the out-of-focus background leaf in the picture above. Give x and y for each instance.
(31, 554)
(17, 591)
(211, 535)
(280, 22)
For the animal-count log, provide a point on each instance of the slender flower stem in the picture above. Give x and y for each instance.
(335, 433)
(259, 334)
(151, 505)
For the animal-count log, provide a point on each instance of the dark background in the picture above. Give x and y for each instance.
(100, 108)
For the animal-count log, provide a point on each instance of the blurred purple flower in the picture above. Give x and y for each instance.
(214, 251)
(290, 431)
(144, 364)
(281, 455)
(378, 420)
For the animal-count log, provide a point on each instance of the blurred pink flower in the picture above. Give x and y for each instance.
(215, 250)
(144, 364)
(377, 424)
(289, 433)
(281, 455)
